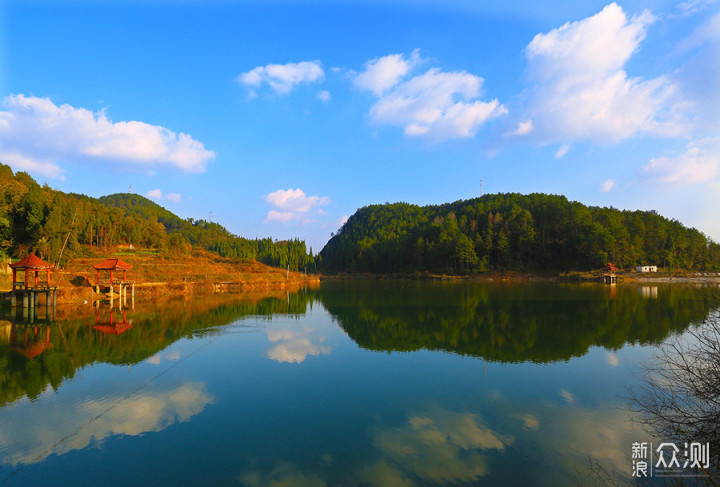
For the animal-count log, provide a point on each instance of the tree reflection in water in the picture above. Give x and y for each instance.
(679, 397)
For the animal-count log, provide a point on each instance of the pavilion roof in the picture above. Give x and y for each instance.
(112, 264)
(116, 329)
(32, 261)
(34, 349)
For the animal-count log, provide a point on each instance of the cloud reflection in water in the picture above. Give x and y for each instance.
(67, 427)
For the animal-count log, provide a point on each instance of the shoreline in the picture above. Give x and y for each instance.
(573, 277)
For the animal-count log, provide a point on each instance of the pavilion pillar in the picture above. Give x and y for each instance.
(48, 278)
(36, 278)
(26, 299)
(14, 278)
(111, 277)
(26, 278)
(97, 280)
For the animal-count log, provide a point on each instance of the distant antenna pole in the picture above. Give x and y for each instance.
(481, 187)
(130, 190)
(211, 217)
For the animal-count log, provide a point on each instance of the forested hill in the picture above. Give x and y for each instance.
(58, 226)
(534, 232)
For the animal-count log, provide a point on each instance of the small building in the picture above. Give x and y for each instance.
(111, 266)
(112, 281)
(32, 343)
(609, 273)
(31, 264)
(113, 327)
(31, 284)
(646, 268)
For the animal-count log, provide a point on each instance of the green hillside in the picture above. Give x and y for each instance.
(497, 232)
(59, 226)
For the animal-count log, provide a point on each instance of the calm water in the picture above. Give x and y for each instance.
(357, 383)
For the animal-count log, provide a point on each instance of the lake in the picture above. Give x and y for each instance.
(392, 383)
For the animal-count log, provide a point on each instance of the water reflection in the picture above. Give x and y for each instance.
(512, 323)
(679, 397)
(48, 352)
(295, 345)
(274, 389)
(440, 447)
(62, 427)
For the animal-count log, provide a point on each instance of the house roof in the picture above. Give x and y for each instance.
(112, 264)
(32, 261)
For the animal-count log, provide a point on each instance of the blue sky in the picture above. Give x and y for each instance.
(283, 118)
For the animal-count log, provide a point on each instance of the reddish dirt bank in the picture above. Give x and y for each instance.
(200, 272)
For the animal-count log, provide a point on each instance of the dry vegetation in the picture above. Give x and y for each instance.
(156, 274)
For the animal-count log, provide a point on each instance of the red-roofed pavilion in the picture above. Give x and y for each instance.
(112, 265)
(31, 263)
(113, 328)
(112, 283)
(609, 271)
(32, 345)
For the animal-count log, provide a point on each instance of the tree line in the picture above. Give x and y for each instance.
(58, 226)
(499, 232)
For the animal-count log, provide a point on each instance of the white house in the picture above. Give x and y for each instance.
(646, 268)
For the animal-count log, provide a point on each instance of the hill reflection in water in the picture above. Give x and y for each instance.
(512, 322)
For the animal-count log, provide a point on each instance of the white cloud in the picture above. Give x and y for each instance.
(77, 425)
(581, 90)
(699, 77)
(531, 422)
(607, 185)
(699, 164)
(568, 396)
(295, 346)
(324, 96)
(283, 78)
(37, 135)
(437, 105)
(523, 128)
(157, 194)
(690, 7)
(21, 162)
(562, 151)
(383, 73)
(283, 475)
(292, 204)
(445, 447)
(343, 220)
(612, 359)
(280, 216)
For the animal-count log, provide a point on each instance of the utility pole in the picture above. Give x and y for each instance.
(211, 217)
(481, 187)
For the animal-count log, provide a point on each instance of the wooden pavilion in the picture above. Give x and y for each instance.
(32, 344)
(31, 286)
(609, 273)
(113, 327)
(112, 281)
